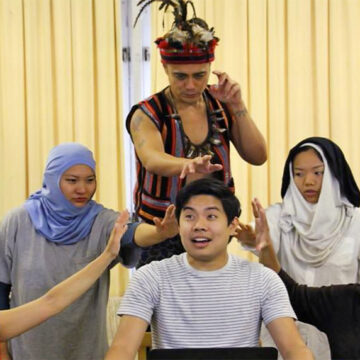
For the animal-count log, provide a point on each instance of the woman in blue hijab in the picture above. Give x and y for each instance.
(58, 231)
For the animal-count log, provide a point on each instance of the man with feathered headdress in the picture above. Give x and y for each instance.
(184, 131)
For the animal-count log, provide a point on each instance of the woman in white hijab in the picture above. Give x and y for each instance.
(316, 228)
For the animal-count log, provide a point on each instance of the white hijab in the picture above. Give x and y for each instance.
(315, 230)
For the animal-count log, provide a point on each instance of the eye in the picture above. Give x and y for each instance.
(212, 217)
(90, 180)
(319, 173)
(70, 180)
(180, 76)
(199, 76)
(298, 174)
(188, 216)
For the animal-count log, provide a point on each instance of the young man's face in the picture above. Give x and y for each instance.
(187, 81)
(204, 232)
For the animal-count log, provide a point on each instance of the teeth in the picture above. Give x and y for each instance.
(200, 240)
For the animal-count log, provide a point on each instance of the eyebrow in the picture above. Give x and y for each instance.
(76, 176)
(206, 209)
(182, 73)
(314, 167)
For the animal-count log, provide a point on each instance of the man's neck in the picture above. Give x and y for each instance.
(197, 104)
(208, 265)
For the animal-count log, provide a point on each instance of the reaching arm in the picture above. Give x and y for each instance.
(148, 235)
(150, 150)
(288, 340)
(17, 320)
(260, 238)
(127, 339)
(246, 137)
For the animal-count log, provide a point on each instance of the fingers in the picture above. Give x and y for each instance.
(200, 164)
(222, 76)
(170, 211)
(120, 225)
(123, 218)
(255, 209)
(169, 214)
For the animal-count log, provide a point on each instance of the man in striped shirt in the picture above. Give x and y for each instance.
(206, 297)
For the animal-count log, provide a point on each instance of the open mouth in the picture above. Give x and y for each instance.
(200, 242)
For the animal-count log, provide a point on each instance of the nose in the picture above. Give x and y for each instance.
(309, 179)
(81, 187)
(200, 224)
(190, 83)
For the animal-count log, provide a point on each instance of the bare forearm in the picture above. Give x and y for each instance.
(246, 137)
(70, 289)
(4, 353)
(146, 235)
(17, 320)
(118, 353)
(268, 258)
(163, 164)
(299, 353)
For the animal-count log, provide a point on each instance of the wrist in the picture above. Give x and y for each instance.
(238, 107)
(108, 256)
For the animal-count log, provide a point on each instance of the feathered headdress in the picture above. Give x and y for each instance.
(188, 41)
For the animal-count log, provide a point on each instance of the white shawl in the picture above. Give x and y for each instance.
(315, 230)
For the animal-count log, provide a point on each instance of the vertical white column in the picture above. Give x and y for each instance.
(136, 78)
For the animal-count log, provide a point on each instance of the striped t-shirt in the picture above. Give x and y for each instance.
(191, 308)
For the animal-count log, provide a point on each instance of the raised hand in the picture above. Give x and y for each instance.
(113, 245)
(226, 90)
(168, 226)
(200, 164)
(245, 235)
(261, 226)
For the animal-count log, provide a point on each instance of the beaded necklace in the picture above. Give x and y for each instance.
(192, 150)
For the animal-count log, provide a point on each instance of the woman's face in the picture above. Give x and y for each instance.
(308, 172)
(78, 184)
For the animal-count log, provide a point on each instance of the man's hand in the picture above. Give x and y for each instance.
(200, 164)
(227, 90)
(168, 226)
(120, 227)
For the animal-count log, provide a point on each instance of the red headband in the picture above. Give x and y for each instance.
(188, 54)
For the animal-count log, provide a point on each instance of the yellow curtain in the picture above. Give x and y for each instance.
(60, 80)
(297, 62)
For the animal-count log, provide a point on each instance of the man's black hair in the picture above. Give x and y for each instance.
(212, 187)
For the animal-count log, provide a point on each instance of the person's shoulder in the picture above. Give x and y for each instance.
(17, 214)
(165, 267)
(252, 268)
(107, 215)
(152, 97)
(246, 265)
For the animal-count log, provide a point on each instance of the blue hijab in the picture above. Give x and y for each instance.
(52, 215)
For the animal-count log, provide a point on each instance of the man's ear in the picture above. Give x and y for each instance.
(233, 225)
